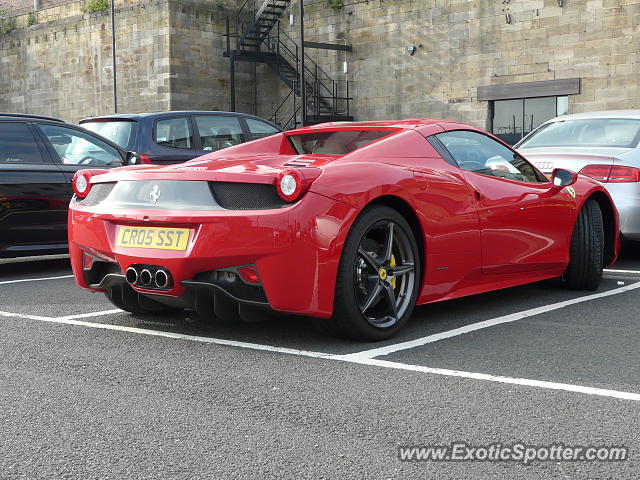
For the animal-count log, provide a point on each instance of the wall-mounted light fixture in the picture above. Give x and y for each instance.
(411, 49)
(345, 65)
(560, 3)
(291, 19)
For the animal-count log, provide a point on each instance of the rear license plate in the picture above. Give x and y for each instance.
(153, 237)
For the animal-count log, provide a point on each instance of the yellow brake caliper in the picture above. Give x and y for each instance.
(393, 264)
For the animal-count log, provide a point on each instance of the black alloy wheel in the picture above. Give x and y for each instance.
(378, 277)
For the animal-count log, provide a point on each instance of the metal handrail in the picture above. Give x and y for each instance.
(274, 116)
(324, 94)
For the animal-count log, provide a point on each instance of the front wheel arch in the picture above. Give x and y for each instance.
(609, 221)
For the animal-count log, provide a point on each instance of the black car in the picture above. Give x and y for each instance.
(173, 137)
(38, 158)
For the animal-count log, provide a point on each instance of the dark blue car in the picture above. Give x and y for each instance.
(173, 137)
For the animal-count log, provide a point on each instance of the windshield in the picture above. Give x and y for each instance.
(120, 132)
(335, 143)
(595, 132)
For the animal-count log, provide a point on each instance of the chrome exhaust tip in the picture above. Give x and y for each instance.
(131, 276)
(161, 279)
(145, 277)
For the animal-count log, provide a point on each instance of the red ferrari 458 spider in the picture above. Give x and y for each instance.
(351, 223)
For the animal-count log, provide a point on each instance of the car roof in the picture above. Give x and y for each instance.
(23, 116)
(172, 113)
(407, 124)
(634, 114)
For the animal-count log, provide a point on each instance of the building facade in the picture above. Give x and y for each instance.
(504, 65)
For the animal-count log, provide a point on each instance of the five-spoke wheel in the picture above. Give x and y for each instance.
(378, 277)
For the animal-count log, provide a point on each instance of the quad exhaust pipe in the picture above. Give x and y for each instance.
(161, 279)
(132, 276)
(148, 277)
(145, 278)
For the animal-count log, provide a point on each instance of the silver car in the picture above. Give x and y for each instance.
(602, 145)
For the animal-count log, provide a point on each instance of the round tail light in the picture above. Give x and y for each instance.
(289, 185)
(82, 181)
(81, 184)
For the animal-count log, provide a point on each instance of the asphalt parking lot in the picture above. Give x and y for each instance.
(88, 391)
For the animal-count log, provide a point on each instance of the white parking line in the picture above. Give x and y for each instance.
(89, 315)
(7, 282)
(349, 359)
(611, 270)
(22, 315)
(58, 319)
(377, 352)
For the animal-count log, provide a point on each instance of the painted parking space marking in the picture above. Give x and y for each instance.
(59, 319)
(347, 358)
(513, 317)
(23, 280)
(90, 315)
(611, 270)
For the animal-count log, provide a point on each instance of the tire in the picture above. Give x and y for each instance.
(586, 252)
(126, 298)
(378, 279)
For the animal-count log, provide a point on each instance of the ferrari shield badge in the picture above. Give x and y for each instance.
(572, 192)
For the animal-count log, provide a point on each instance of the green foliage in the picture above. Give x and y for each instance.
(31, 19)
(336, 4)
(7, 21)
(93, 6)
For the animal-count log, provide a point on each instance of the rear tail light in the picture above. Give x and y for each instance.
(599, 172)
(292, 183)
(612, 174)
(144, 158)
(82, 181)
(621, 174)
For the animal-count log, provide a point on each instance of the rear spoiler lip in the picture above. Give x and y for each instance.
(107, 119)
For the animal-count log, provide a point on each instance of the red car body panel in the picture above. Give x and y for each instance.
(478, 233)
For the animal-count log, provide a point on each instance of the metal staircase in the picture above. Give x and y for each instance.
(259, 38)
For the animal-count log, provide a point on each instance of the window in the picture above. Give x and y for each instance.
(260, 129)
(78, 148)
(335, 143)
(218, 131)
(478, 153)
(119, 132)
(514, 119)
(18, 145)
(587, 132)
(174, 133)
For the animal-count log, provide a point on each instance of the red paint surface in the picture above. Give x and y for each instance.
(479, 233)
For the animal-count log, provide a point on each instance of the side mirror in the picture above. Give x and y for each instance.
(133, 158)
(563, 178)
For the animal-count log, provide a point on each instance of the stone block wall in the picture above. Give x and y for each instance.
(463, 44)
(200, 77)
(169, 56)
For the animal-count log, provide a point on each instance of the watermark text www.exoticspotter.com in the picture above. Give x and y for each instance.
(516, 452)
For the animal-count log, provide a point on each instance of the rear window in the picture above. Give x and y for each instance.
(595, 132)
(335, 143)
(119, 132)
